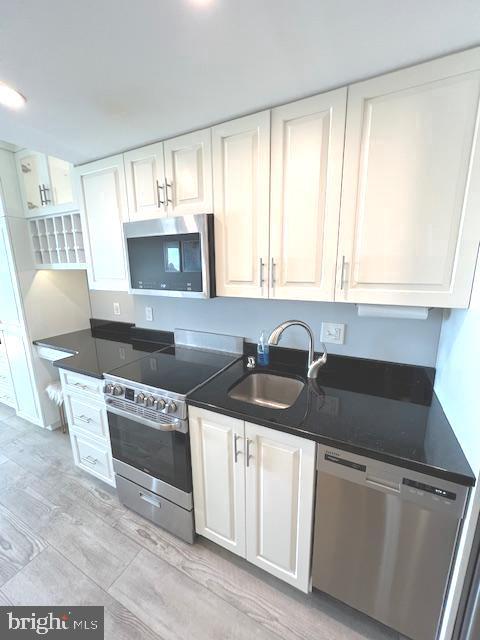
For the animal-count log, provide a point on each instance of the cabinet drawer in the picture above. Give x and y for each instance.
(5, 377)
(7, 394)
(80, 383)
(93, 457)
(86, 415)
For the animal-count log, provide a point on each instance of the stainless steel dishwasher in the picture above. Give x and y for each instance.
(384, 539)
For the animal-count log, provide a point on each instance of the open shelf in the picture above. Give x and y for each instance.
(57, 242)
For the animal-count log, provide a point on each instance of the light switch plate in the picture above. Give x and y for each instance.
(116, 308)
(332, 333)
(149, 314)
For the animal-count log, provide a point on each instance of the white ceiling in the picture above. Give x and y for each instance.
(102, 76)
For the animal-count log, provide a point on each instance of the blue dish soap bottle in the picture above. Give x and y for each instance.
(263, 351)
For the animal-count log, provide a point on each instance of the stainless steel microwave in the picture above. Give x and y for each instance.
(171, 256)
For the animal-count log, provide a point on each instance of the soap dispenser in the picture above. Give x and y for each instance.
(263, 351)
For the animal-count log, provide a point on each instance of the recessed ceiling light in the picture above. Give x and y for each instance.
(10, 98)
(201, 3)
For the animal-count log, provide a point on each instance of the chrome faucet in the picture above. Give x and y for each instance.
(313, 365)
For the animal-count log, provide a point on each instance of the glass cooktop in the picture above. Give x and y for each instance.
(176, 369)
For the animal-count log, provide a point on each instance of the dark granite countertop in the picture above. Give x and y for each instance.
(382, 410)
(105, 346)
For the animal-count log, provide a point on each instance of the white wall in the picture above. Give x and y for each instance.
(410, 341)
(458, 374)
(457, 386)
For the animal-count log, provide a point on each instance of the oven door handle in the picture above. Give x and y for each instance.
(175, 425)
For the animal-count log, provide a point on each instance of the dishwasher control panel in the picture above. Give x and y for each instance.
(428, 488)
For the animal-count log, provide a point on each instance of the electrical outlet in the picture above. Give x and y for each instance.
(149, 314)
(333, 333)
(116, 308)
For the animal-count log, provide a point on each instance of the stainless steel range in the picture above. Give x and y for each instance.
(148, 424)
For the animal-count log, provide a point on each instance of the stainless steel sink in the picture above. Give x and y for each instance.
(267, 390)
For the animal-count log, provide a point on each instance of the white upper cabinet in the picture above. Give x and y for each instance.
(188, 173)
(45, 183)
(218, 467)
(145, 176)
(306, 179)
(410, 222)
(280, 476)
(102, 192)
(241, 179)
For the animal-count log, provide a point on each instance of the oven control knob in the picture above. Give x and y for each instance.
(149, 402)
(108, 388)
(159, 405)
(171, 407)
(140, 398)
(117, 390)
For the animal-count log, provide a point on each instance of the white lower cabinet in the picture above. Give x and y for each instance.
(279, 499)
(88, 424)
(217, 444)
(260, 506)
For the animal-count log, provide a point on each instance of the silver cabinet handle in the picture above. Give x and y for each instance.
(80, 385)
(272, 272)
(41, 194)
(169, 185)
(261, 273)
(248, 456)
(90, 460)
(160, 188)
(83, 418)
(236, 452)
(46, 200)
(342, 274)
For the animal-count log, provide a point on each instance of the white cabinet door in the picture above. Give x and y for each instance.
(9, 303)
(218, 467)
(33, 176)
(280, 476)
(45, 183)
(188, 172)
(145, 176)
(410, 225)
(61, 193)
(104, 205)
(307, 156)
(241, 178)
(21, 375)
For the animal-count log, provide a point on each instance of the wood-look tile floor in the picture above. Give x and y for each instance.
(65, 539)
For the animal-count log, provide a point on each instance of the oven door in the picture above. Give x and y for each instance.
(155, 459)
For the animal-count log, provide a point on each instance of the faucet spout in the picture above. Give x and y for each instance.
(313, 365)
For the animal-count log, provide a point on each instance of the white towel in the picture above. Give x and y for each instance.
(55, 392)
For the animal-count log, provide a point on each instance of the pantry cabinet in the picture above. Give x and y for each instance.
(306, 180)
(410, 228)
(171, 178)
(241, 184)
(45, 183)
(10, 313)
(103, 200)
(253, 492)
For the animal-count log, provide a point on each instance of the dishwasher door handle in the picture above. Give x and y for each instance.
(382, 484)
